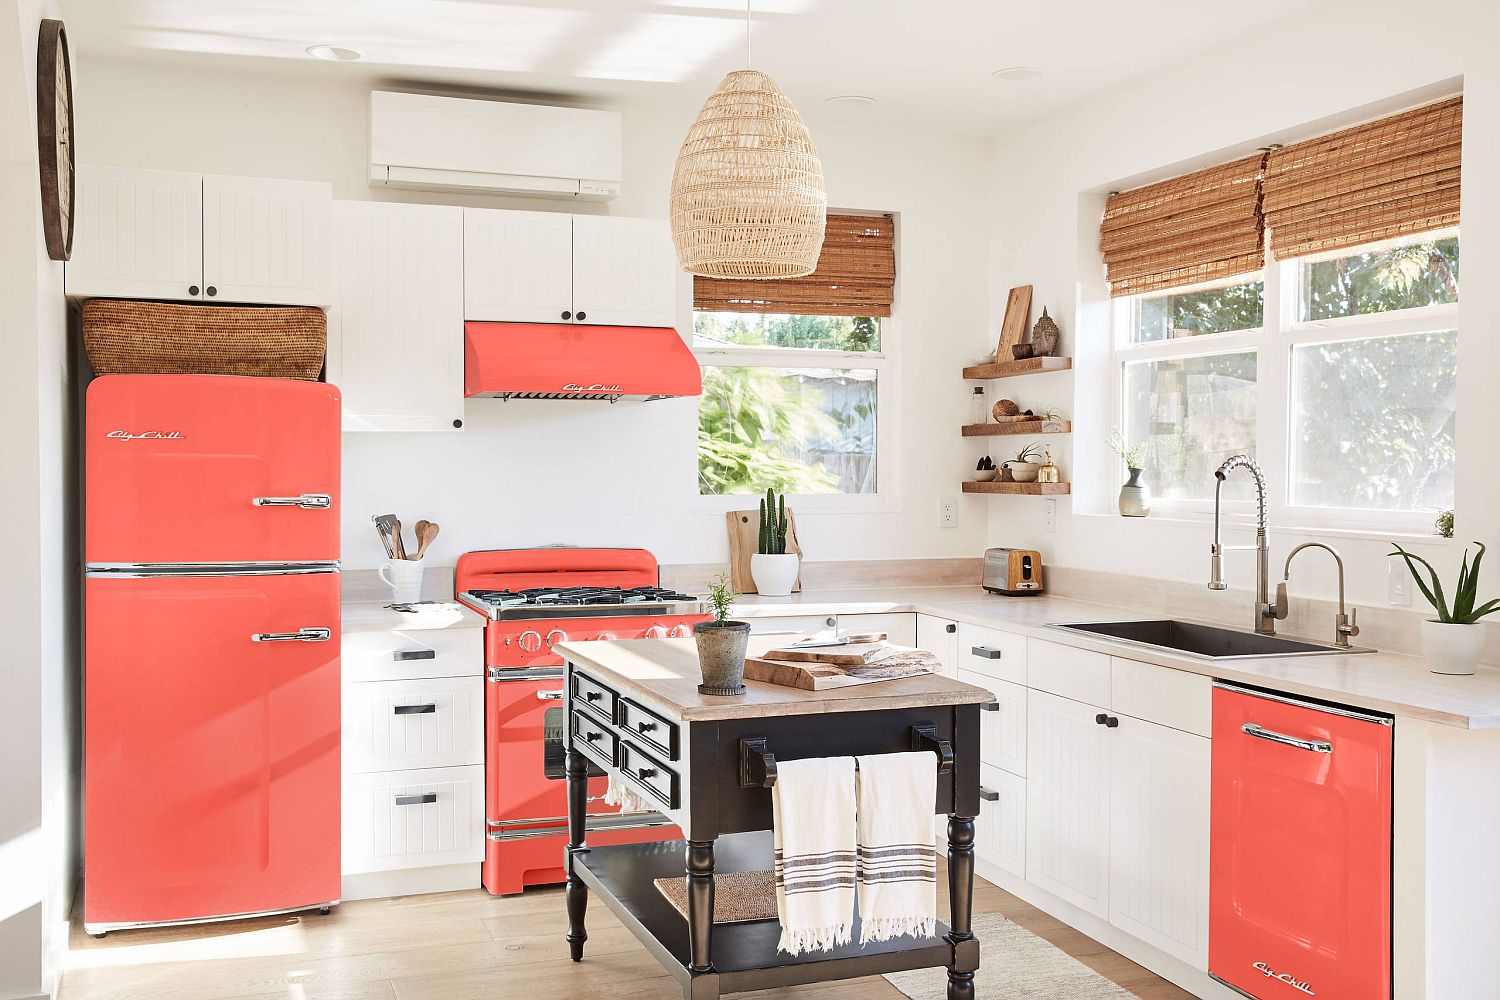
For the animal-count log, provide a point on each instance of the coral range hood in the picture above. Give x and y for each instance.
(570, 361)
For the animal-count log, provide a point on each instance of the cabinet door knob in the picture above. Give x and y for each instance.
(567, 315)
(830, 621)
(1111, 722)
(211, 291)
(192, 289)
(1100, 719)
(950, 628)
(582, 316)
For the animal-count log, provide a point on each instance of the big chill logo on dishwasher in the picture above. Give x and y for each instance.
(145, 436)
(1283, 977)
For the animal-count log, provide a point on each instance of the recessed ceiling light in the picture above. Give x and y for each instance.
(334, 53)
(852, 101)
(1017, 73)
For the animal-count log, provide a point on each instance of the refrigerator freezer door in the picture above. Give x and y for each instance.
(211, 756)
(211, 469)
(1300, 869)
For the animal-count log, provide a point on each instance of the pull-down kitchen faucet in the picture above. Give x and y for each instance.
(1266, 613)
(1347, 624)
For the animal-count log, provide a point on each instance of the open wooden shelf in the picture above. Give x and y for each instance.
(1015, 427)
(1026, 366)
(1023, 489)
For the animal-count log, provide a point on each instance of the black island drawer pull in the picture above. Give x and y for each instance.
(421, 799)
(427, 709)
(645, 772)
(592, 695)
(414, 654)
(645, 727)
(985, 652)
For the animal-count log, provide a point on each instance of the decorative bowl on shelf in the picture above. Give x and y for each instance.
(1025, 472)
(984, 475)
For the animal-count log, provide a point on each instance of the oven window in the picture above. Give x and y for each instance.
(554, 754)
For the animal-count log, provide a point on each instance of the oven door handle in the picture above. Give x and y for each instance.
(1261, 733)
(554, 695)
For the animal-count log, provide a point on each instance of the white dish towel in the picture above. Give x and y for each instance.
(813, 821)
(897, 858)
(628, 799)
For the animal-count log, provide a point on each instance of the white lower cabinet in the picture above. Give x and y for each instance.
(413, 819)
(1000, 830)
(939, 636)
(433, 722)
(1002, 732)
(1067, 801)
(1159, 837)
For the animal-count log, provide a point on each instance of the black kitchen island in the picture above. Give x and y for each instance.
(708, 764)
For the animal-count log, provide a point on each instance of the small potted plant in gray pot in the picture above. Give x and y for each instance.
(721, 643)
(1454, 640)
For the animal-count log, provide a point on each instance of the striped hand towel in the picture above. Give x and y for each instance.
(812, 807)
(897, 860)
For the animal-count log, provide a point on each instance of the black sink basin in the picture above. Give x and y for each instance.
(1208, 641)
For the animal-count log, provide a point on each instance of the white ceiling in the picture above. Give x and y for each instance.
(928, 62)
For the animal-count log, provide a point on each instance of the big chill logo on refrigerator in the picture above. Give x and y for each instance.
(122, 435)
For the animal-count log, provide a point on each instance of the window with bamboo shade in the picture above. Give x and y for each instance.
(856, 276)
(1387, 178)
(1199, 227)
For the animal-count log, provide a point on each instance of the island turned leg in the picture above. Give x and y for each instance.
(700, 904)
(961, 907)
(577, 769)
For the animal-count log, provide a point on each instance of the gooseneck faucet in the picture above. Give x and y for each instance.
(1266, 613)
(1347, 624)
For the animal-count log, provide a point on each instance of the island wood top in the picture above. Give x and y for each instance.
(666, 672)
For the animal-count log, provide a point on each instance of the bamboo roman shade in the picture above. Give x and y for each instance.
(1197, 227)
(1372, 182)
(856, 276)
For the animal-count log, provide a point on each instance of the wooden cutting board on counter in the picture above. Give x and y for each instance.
(744, 540)
(825, 676)
(850, 654)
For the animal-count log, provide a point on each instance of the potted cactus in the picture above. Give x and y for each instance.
(1454, 640)
(721, 643)
(773, 568)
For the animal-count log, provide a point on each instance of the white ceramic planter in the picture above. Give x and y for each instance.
(774, 575)
(1452, 649)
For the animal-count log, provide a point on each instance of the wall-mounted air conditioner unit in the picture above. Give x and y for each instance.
(453, 144)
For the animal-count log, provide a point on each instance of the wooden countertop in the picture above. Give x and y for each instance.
(666, 672)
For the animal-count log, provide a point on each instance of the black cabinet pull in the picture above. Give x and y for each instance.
(1111, 723)
(646, 772)
(989, 706)
(986, 652)
(425, 799)
(1100, 719)
(566, 314)
(192, 289)
(988, 795)
(582, 316)
(592, 737)
(414, 654)
(428, 709)
(645, 727)
(950, 628)
(211, 291)
(458, 423)
(592, 696)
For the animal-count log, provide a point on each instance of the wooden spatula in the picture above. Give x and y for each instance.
(426, 532)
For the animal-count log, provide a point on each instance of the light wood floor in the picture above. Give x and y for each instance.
(458, 946)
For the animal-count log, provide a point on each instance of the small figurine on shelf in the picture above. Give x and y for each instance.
(1045, 337)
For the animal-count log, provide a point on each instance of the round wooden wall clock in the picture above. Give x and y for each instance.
(54, 130)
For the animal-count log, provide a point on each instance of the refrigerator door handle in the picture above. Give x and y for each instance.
(307, 501)
(1260, 733)
(301, 635)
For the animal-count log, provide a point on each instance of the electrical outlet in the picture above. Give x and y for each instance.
(947, 513)
(1399, 581)
(1049, 516)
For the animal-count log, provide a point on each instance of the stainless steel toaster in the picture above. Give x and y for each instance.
(1014, 572)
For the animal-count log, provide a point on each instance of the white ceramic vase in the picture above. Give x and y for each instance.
(1452, 648)
(774, 575)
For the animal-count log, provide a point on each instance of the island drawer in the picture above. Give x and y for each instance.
(644, 725)
(594, 739)
(649, 774)
(590, 692)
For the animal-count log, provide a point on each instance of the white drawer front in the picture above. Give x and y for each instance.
(413, 819)
(900, 627)
(988, 651)
(1000, 830)
(1002, 733)
(401, 655)
(1072, 673)
(1168, 697)
(434, 722)
(792, 625)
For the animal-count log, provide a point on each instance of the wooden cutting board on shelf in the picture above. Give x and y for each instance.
(825, 676)
(744, 540)
(1017, 319)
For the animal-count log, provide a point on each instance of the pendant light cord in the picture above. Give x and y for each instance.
(747, 34)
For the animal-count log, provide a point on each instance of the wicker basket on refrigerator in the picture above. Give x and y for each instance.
(123, 337)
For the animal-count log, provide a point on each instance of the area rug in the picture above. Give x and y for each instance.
(739, 897)
(1017, 965)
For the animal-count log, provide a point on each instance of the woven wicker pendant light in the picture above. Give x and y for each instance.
(747, 195)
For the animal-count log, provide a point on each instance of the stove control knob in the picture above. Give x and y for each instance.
(656, 632)
(530, 641)
(556, 636)
(606, 636)
(678, 631)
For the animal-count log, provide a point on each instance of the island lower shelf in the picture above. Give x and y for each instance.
(744, 954)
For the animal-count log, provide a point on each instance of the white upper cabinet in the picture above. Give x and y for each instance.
(624, 272)
(137, 234)
(549, 267)
(395, 334)
(155, 234)
(267, 241)
(518, 266)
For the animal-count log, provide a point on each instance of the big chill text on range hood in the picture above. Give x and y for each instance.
(570, 361)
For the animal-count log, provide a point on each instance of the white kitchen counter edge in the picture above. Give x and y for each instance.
(1384, 682)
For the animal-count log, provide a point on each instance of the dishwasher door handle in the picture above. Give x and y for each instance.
(1260, 733)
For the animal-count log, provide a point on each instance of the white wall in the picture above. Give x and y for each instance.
(38, 607)
(1332, 66)
(536, 472)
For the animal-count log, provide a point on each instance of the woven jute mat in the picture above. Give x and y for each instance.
(739, 897)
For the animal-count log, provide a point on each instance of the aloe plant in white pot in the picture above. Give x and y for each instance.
(773, 568)
(1454, 640)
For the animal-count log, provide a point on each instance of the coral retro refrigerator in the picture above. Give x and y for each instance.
(211, 648)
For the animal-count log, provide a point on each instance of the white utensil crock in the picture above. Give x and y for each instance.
(774, 575)
(404, 577)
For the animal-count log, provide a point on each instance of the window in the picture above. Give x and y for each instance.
(795, 376)
(1337, 371)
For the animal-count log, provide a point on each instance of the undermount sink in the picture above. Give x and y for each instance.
(1209, 642)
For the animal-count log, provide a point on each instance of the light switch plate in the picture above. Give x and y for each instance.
(947, 513)
(1049, 516)
(1399, 581)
